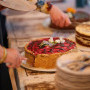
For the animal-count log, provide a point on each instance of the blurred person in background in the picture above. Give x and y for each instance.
(13, 57)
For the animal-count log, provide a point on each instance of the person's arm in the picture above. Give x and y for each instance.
(58, 17)
(13, 57)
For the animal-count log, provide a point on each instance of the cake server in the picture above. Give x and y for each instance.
(22, 5)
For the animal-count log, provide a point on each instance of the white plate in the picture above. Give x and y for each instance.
(79, 47)
(27, 66)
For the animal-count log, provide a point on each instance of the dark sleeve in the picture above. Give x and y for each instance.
(1, 37)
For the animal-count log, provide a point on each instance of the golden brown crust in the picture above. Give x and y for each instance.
(46, 60)
(27, 49)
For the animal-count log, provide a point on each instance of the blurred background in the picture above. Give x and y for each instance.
(62, 4)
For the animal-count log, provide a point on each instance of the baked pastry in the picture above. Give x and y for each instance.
(83, 34)
(75, 17)
(43, 53)
(73, 71)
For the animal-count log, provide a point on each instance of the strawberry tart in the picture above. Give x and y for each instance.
(43, 53)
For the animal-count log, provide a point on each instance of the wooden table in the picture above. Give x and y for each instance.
(22, 29)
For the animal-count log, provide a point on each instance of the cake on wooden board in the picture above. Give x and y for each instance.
(43, 53)
(83, 34)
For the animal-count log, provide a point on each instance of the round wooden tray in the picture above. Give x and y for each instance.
(79, 47)
(27, 66)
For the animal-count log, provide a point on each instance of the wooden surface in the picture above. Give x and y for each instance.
(22, 29)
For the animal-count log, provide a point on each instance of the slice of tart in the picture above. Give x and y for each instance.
(43, 53)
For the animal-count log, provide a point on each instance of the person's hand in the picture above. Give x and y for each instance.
(14, 58)
(59, 18)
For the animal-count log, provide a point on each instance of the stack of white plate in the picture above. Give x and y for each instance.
(72, 71)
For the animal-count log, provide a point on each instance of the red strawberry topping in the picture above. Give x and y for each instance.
(35, 47)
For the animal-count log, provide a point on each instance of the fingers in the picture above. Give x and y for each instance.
(62, 22)
(14, 59)
(67, 21)
(9, 65)
(24, 60)
(59, 18)
(19, 61)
